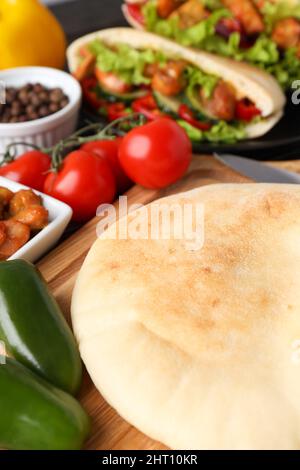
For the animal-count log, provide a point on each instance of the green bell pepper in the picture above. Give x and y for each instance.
(37, 416)
(33, 328)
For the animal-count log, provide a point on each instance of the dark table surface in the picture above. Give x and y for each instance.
(85, 16)
(80, 17)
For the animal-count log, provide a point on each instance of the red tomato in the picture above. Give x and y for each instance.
(109, 150)
(157, 154)
(112, 82)
(135, 11)
(30, 169)
(246, 110)
(84, 182)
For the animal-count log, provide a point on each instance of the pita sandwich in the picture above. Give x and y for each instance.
(263, 33)
(213, 98)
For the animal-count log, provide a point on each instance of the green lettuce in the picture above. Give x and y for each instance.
(264, 51)
(157, 25)
(213, 4)
(274, 12)
(126, 61)
(193, 36)
(287, 70)
(222, 132)
(195, 77)
(196, 35)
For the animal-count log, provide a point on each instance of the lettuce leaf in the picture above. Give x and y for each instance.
(213, 4)
(158, 25)
(274, 12)
(217, 44)
(264, 51)
(126, 61)
(287, 70)
(196, 77)
(196, 35)
(193, 36)
(222, 132)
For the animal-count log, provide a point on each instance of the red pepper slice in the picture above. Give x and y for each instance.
(187, 115)
(116, 111)
(135, 11)
(147, 106)
(246, 110)
(88, 86)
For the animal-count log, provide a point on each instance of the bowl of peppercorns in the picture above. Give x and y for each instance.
(39, 106)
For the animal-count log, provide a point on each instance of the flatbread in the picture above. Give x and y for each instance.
(248, 81)
(200, 349)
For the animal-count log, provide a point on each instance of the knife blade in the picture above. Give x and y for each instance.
(258, 171)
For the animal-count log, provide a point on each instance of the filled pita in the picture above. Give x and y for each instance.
(248, 81)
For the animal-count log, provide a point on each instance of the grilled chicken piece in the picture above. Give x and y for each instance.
(166, 7)
(286, 33)
(247, 13)
(190, 13)
(169, 80)
(222, 104)
(150, 70)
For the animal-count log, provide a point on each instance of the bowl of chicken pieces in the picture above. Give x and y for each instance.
(31, 223)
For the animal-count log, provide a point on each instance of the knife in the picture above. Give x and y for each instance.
(258, 171)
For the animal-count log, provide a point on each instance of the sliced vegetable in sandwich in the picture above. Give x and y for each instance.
(125, 71)
(265, 33)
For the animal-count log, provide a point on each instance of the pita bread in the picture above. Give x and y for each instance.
(248, 81)
(200, 349)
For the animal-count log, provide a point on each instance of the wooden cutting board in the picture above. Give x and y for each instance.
(60, 268)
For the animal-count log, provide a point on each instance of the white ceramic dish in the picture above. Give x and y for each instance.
(44, 132)
(59, 216)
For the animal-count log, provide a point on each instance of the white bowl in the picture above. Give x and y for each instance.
(47, 131)
(60, 215)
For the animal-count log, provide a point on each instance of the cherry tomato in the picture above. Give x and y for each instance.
(135, 11)
(30, 169)
(84, 182)
(187, 115)
(147, 106)
(246, 110)
(112, 82)
(109, 150)
(157, 154)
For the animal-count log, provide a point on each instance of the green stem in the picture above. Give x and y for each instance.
(75, 140)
